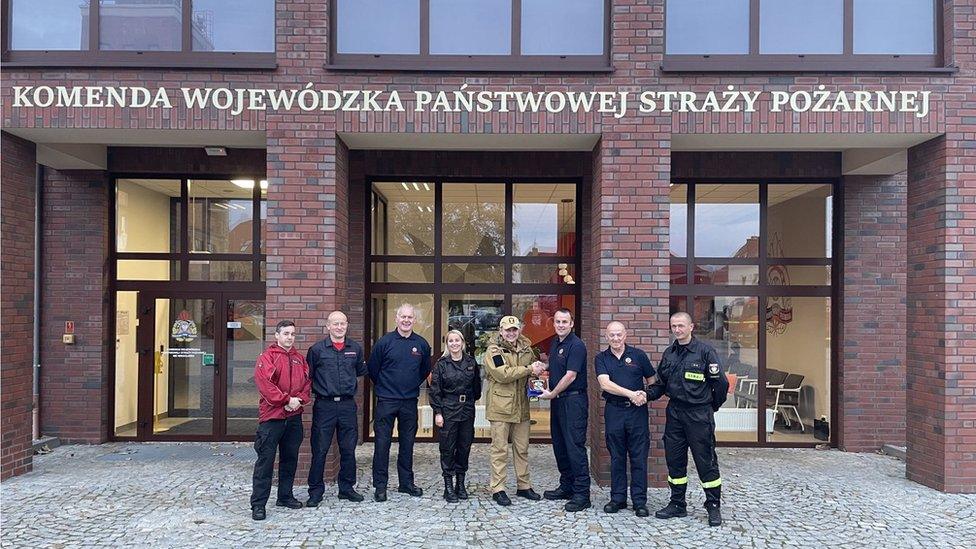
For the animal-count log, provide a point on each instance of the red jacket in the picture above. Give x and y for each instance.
(280, 375)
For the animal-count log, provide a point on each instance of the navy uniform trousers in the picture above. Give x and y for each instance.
(404, 412)
(333, 417)
(568, 421)
(628, 439)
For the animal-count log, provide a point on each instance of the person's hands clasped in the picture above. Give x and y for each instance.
(439, 420)
(294, 403)
(638, 398)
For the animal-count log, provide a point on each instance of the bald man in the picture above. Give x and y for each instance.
(691, 374)
(335, 363)
(623, 371)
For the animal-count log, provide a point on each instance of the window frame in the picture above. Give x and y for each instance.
(95, 57)
(847, 61)
(427, 62)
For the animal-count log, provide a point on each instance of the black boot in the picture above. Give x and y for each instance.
(449, 495)
(677, 506)
(459, 489)
(713, 504)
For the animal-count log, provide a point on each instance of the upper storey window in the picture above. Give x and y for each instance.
(799, 35)
(491, 35)
(140, 33)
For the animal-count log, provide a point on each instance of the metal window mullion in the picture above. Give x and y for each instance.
(848, 27)
(516, 28)
(424, 28)
(187, 26)
(754, 27)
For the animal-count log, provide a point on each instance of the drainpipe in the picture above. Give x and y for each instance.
(38, 180)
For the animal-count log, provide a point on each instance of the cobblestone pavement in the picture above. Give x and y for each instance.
(196, 494)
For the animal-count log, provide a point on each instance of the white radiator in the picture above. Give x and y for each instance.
(741, 420)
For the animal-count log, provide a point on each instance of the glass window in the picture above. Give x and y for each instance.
(227, 271)
(147, 269)
(727, 220)
(544, 273)
(147, 215)
(471, 27)
(797, 366)
(798, 275)
(678, 225)
(727, 275)
(183, 402)
(801, 26)
(51, 25)
(730, 326)
(245, 343)
(378, 26)
(126, 364)
(234, 25)
(140, 25)
(473, 273)
(473, 219)
(707, 27)
(799, 220)
(894, 27)
(403, 272)
(544, 220)
(221, 216)
(562, 27)
(409, 219)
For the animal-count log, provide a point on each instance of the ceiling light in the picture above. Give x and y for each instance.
(426, 188)
(216, 151)
(416, 187)
(264, 184)
(244, 183)
(405, 187)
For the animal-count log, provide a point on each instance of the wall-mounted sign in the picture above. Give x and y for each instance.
(233, 325)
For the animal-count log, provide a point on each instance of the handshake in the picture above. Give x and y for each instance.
(637, 398)
(294, 403)
(538, 367)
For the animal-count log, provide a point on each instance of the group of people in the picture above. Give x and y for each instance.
(689, 373)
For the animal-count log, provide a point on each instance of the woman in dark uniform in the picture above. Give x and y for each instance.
(454, 387)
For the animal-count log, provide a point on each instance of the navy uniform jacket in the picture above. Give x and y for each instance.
(399, 365)
(568, 354)
(691, 374)
(334, 372)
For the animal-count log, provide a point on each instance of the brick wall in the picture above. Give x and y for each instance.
(871, 403)
(75, 244)
(17, 281)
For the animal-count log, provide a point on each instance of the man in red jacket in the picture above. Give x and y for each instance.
(282, 377)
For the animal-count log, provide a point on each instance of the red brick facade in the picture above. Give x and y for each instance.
(312, 231)
(17, 283)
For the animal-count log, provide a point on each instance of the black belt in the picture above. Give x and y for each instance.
(622, 403)
(569, 393)
(332, 398)
(460, 398)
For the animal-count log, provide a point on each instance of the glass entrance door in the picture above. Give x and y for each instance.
(196, 365)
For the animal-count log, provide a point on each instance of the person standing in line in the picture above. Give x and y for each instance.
(454, 387)
(282, 379)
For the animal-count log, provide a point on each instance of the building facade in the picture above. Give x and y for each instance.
(828, 256)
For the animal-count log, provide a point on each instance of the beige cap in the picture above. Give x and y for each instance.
(509, 322)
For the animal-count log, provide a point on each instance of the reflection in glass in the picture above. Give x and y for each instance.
(801, 26)
(797, 365)
(470, 27)
(678, 273)
(536, 313)
(562, 27)
(678, 225)
(140, 25)
(221, 214)
(383, 309)
(707, 27)
(183, 391)
(727, 275)
(727, 220)
(378, 26)
(894, 27)
(126, 365)
(402, 272)
(544, 220)
(799, 220)
(477, 317)
(245, 342)
(473, 273)
(798, 275)
(730, 326)
(220, 271)
(51, 25)
(147, 215)
(544, 273)
(234, 25)
(408, 219)
(473, 219)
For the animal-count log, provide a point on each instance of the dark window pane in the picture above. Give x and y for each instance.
(562, 27)
(678, 230)
(234, 25)
(799, 221)
(678, 273)
(473, 27)
(801, 26)
(473, 221)
(405, 223)
(544, 220)
(378, 26)
(894, 26)
(49, 25)
(707, 26)
(727, 220)
(143, 25)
